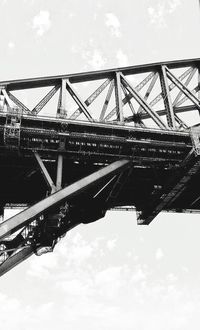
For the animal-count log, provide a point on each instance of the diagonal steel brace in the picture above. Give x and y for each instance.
(28, 215)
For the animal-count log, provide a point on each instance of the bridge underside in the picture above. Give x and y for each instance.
(67, 170)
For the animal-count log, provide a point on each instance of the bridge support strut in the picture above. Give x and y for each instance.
(37, 215)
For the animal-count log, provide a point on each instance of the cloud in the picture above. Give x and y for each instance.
(23, 314)
(40, 267)
(94, 59)
(74, 287)
(157, 15)
(11, 44)
(161, 10)
(105, 291)
(139, 274)
(108, 282)
(113, 23)
(172, 277)
(159, 254)
(122, 58)
(111, 243)
(41, 22)
(185, 269)
(173, 5)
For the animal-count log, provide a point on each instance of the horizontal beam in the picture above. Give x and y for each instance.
(95, 75)
(176, 110)
(108, 125)
(21, 219)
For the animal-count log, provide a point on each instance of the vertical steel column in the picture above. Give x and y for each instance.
(59, 172)
(199, 82)
(63, 92)
(118, 97)
(166, 98)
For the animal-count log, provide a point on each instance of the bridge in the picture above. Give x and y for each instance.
(74, 146)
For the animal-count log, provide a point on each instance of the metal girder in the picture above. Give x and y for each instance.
(45, 173)
(63, 94)
(59, 104)
(118, 97)
(183, 88)
(153, 115)
(34, 211)
(110, 75)
(104, 187)
(16, 259)
(141, 85)
(198, 82)
(95, 75)
(118, 185)
(61, 108)
(180, 122)
(177, 110)
(46, 231)
(127, 98)
(182, 210)
(166, 199)
(114, 110)
(18, 103)
(171, 87)
(167, 98)
(195, 137)
(91, 98)
(78, 100)
(191, 75)
(7, 99)
(129, 101)
(12, 128)
(107, 100)
(59, 172)
(185, 98)
(45, 100)
(144, 82)
(149, 90)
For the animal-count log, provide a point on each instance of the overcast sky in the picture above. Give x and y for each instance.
(112, 274)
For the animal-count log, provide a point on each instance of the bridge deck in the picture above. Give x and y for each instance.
(156, 155)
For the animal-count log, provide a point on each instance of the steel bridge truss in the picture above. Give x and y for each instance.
(151, 95)
(138, 119)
